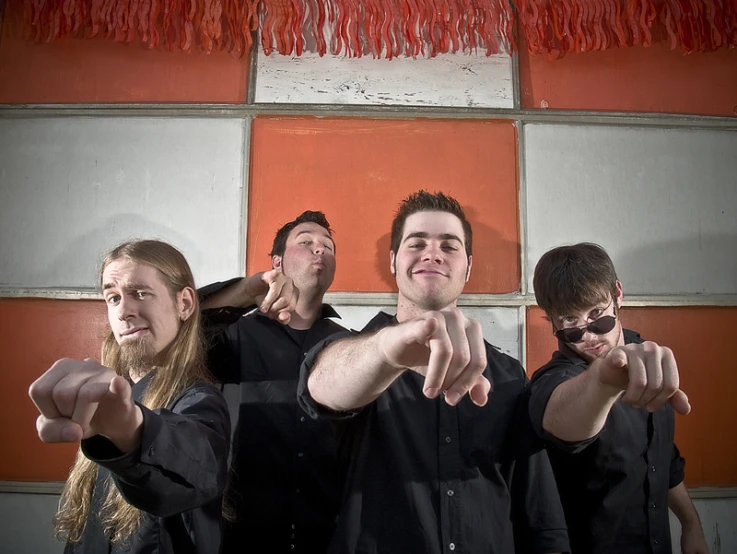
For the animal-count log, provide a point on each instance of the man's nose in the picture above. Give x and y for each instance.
(126, 308)
(432, 254)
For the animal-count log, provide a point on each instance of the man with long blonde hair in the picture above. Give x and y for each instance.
(153, 431)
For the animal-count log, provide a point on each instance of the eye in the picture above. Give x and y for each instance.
(112, 299)
(305, 242)
(329, 247)
(596, 312)
(416, 245)
(450, 248)
(141, 294)
(569, 320)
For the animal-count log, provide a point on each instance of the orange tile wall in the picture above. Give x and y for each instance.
(76, 70)
(357, 172)
(637, 79)
(33, 335)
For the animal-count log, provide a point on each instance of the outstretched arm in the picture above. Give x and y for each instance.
(445, 347)
(646, 373)
(273, 292)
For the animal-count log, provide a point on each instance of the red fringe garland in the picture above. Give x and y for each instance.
(387, 28)
(561, 26)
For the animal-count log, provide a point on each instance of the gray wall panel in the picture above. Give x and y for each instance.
(662, 202)
(26, 523)
(71, 188)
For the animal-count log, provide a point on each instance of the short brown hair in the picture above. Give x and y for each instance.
(570, 279)
(423, 201)
(280, 240)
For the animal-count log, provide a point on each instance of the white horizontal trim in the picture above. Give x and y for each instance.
(19, 487)
(629, 119)
(390, 298)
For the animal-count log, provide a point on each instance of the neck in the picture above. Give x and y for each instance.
(307, 311)
(406, 309)
(136, 374)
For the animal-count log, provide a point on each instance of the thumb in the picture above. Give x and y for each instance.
(420, 331)
(680, 402)
(120, 389)
(617, 358)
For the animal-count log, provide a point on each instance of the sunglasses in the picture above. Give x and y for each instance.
(599, 326)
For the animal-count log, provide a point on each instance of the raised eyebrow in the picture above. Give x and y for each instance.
(326, 236)
(451, 236)
(417, 235)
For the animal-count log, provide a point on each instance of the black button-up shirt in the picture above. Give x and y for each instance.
(614, 487)
(283, 479)
(176, 477)
(422, 476)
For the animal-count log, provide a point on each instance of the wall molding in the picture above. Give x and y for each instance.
(567, 117)
(390, 298)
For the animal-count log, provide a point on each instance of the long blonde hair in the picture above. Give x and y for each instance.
(179, 365)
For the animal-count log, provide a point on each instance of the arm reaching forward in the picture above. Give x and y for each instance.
(273, 292)
(646, 373)
(445, 347)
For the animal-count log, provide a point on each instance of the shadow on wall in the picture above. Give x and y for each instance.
(706, 264)
(488, 244)
(79, 262)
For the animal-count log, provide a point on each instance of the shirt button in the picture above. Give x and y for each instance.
(652, 505)
(655, 541)
(151, 451)
(291, 546)
(297, 491)
(450, 493)
(302, 418)
(653, 468)
(447, 439)
(300, 454)
(452, 546)
(292, 525)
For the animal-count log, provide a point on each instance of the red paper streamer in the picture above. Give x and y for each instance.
(388, 28)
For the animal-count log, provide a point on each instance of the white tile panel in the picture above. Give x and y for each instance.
(663, 202)
(718, 517)
(500, 325)
(459, 80)
(72, 188)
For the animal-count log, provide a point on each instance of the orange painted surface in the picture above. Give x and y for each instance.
(77, 70)
(636, 79)
(699, 337)
(35, 333)
(357, 172)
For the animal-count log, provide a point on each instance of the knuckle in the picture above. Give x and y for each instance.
(62, 395)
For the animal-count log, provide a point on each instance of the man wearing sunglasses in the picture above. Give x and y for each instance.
(605, 404)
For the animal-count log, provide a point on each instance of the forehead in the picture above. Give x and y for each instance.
(433, 223)
(124, 272)
(311, 228)
(583, 313)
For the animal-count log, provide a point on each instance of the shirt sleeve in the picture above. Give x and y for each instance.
(182, 460)
(542, 388)
(222, 349)
(311, 407)
(537, 514)
(677, 468)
